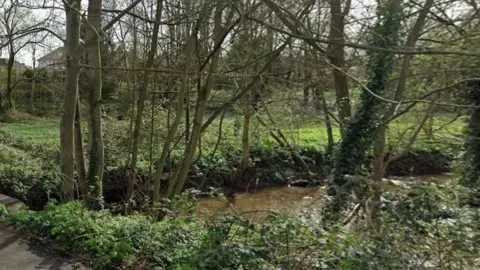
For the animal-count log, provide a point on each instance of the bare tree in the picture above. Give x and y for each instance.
(336, 54)
(67, 135)
(176, 184)
(415, 32)
(142, 98)
(18, 25)
(96, 157)
(179, 108)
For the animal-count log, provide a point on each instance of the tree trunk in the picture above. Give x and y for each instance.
(379, 166)
(380, 143)
(70, 97)
(245, 135)
(188, 30)
(80, 163)
(96, 161)
(321, 102)
(362, 129)
(141, 100)
(34, 80)
(132, 88)
(328, 124)
(337, 58)
(246, 39)
(11, 102)
(178, 116)
(471, 173)
(181, 174)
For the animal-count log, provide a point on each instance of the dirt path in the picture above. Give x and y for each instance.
(17, 252)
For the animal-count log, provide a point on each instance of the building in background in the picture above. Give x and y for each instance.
(54, 59)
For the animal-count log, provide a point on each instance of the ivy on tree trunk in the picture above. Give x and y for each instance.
(471, 173)
(360, 131)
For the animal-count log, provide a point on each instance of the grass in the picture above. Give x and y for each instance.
(441, 132)
(38, 131)
(16, 116)
(306, 133)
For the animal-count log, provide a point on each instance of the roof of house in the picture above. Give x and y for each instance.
(52, 54)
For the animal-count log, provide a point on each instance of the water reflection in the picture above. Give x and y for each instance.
(255, 205)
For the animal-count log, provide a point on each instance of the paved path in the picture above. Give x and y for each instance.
(11, 204)
(19, 253)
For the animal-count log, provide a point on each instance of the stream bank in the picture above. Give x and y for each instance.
(274, 170)
(269, 169)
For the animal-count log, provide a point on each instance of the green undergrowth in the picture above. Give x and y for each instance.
(3, 211)
(423, 227)
(29, 154)
(28, 170)
(29, 159)
(443, 133)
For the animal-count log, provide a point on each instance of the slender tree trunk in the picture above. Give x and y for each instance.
(471, 173)
(96, 161)
(187, 117)
(188, 30)
(80, 163)
(247, 104)
(142, 98)
(337, 57)
(34, 80)
(176, 185)
(70, 98)
(321, 102)
(246, 39)
(379, 149)
(178, 116)
(132, 93)
(328, 123)
(11, 102)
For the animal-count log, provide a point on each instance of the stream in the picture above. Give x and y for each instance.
(292, 200)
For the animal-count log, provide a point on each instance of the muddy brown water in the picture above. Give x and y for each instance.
(255, 205)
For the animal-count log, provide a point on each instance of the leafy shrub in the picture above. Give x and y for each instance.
(27, 172)
(3, 211)
(47, 154)
(428, 225)
(172, 243)
(109, 239)
(415, 234)
(34, 187)
(423, 203)
(109, 87)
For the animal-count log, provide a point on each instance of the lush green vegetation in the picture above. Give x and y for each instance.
(163, 106)
(424, 226)
(427, 217)
(300, 130)
(29, 158)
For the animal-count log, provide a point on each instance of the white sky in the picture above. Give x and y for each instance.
(360, 9)
(25, 55)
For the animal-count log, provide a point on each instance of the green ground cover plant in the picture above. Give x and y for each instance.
(424, 226)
